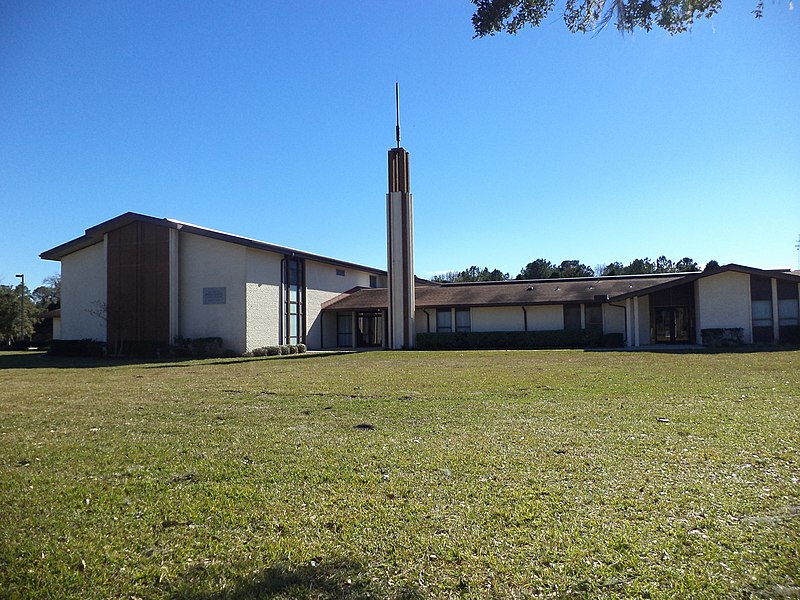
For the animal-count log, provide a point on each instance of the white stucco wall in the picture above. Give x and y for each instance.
(209, 263)
(421, 321)
(644, 321)
(545, 318)
(613, 319)
(512, 318)
(83, 287)
(263, 298)
(322, 283)
(723, 300)
(500, 318)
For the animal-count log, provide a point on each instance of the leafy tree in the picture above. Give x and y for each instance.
(48, 295)
(712, 264)
(538, 269)
(686, 265)
(574, 268)
(645, 266)
(544, 269)
(11, 313)
(640, 266)
(614, 268)
(664, 265)
(674, 16)
(471, 274)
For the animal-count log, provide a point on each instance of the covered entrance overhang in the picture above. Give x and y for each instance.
(663, 314)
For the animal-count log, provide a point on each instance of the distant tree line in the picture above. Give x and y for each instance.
(544, 269)
(14, 301)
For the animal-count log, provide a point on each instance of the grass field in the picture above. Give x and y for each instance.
(402, 475)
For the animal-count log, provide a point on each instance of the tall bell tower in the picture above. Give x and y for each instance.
(400, 245)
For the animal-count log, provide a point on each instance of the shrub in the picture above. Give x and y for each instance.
(207, 346)
(301, 348)
(259, 351)
(292, 348)
(273, 350)
(559, 338)
(722, 336)
(284, 349)
(85, 347)
(790, 334)
(613, 340)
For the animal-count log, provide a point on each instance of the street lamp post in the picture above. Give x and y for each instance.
(21, 307)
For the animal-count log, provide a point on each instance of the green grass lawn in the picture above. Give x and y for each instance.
(472, 474)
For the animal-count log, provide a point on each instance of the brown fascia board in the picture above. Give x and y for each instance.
(95, 234)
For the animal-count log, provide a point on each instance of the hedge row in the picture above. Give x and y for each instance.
(281, 350)
(184, 347)
(560, 338)
(86, 347)
(719, 336)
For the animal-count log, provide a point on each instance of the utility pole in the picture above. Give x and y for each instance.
(21, 307)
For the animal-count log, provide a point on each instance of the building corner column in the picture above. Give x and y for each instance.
(174, 286)
(628, 322)
(776, 326)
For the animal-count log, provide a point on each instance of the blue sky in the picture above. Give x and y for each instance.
(272, 120)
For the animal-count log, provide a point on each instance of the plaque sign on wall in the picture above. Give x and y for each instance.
(214, 295)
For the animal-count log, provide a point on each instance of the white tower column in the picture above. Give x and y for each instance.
(400, 252)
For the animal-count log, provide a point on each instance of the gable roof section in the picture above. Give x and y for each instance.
(95, 234)
(691, 277)
(538, 291)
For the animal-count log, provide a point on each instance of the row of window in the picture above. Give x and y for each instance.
(592, 318)
(444, 320)
(373, 279)
(761, 308)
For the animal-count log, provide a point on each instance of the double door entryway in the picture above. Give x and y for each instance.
(673, 325)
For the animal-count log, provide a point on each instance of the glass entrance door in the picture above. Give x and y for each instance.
(673, 325)
(370, 329)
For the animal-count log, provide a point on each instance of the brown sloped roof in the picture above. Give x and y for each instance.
(538, 291)
(506, 293)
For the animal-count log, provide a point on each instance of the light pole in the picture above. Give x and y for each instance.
(21, 307)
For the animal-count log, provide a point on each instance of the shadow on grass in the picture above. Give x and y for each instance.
(683, 349)
(326, 580)
(38, 359)
(233, 361)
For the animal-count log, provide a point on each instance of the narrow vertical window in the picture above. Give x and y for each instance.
(444, 320)
(594, 316)
(344, 330)
(572, 316)
(463, 322)
(294, 300)
(761, 308)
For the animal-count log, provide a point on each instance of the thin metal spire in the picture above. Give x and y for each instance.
(397, 108)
